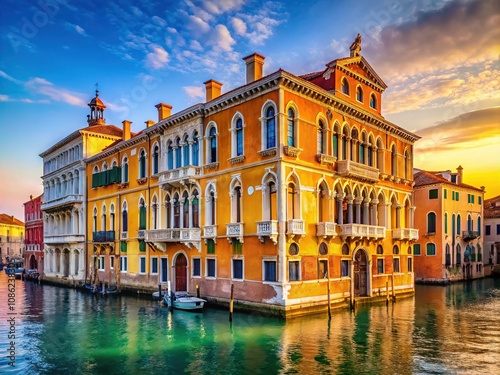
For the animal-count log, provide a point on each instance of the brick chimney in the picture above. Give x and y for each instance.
(213, 89)
(164, 110)
(459, 174)
(255, 66)
(149, 123)
(126, 130)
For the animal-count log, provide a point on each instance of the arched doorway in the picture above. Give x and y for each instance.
(360, 274)
(33, 264)
(66, 263)
(180, 273)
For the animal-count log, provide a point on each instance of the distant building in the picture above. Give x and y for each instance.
(449, 219)
(33, 243)
(286, 188)
(492, 233)
(64, 197)
(11, 237)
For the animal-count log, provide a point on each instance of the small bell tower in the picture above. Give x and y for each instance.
(97, 108)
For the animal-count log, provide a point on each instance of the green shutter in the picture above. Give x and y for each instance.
(123, 246)
(142, 218)
(95, 180)
(237, 247)
(445, 193)
(210, 247)
(142, 245)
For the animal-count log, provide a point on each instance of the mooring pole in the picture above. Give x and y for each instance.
(231, 301)
(329, 301)
(159, 291)
(387, 291)
(197, 291)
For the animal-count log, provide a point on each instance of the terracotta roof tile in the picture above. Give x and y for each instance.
(492, 207)
(10, 220)
(424, 178)
(104, 129)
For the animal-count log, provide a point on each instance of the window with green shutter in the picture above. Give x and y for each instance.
(210, 246)
(95, 180)
(433, 194)
(416, 249)
(142, 245)
(445, 193)
(237, 247)
(123, 246)
(142, 217)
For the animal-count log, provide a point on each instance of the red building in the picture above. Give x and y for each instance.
(33, 244)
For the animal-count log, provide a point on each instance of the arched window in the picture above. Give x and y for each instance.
(359, 94)
(94, 226)
(124, 217)
(212, 140)
(445, 223)
(142, 164)
(291, 128)
(236, 196)
(479, 226)
(407, 164)
(469, 223)
(394, 160)
(185, 210)
(170, 155)
(156, 154)
(270, 128)
(344, 143)
(458, 224)
(335, 143)
(323, 200)
(103, 219)
(459, 254)
(380, 249)
(212, 207)
(195, 149)
(431, 222)
(345, 86)
(154, 207)
(448, 255)
(168, 212)
(112, 217)
(321, 137)
(395, 249)
(185, 151)
(354, 140)
(142, 214)
(125, 169)
(345, 249)
(430, 249)
(177, 211)
(373, 101)
(362, 148)
(195, 208)
(178, 153)
(238, 137)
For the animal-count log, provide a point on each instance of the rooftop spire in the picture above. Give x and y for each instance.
(97, 107)
(355, 47)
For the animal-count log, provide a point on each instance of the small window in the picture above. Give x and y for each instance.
(210, 267)
(395, 249)
(431, 222)
(210, 246)
(111, 262)
(238, 269)
(488, 230)
(154, 265)
(344, 268)
(410, 265)
(196, 267)
(322, 269)
(498, 228)
(345, 249)
(479, 200)
(430, 249)
(395, 265)
(359, 94)
(269, 270)
(345, 86)
(373, 101)
(380, 249)
(142, 264)
(293, 270)
(416, 249)
(293, 249)
(433, 194)
(445, 193)
(380, 266)
(101, 263)
(123, 263)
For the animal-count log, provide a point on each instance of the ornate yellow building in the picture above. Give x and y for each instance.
(11, 237)
(293, 189)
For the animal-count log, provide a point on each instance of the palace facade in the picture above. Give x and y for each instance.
(33, 244)
(491, 254)
(449, 220)
(11, 237)
(294, 190)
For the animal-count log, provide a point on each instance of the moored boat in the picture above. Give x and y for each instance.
(183, 301)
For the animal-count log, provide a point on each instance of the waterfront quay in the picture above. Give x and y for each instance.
(442, 330)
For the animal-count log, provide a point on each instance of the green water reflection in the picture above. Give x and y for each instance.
(443, 330)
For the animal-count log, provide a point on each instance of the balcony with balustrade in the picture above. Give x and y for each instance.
(357, 171)
(210, 232)
(267, 228)
(103, 236)
(296, 228)
(410, 234)
(469, 235)
(63, 239)
(326, 229)
(179, 177)
(361, 231)
(62, 202)
(191, 237)
(234, 231)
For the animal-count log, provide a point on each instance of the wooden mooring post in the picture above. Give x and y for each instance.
(197, 291)
(231, 302)
(387, 291)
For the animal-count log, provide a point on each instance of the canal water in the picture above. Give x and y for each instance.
(443, 330)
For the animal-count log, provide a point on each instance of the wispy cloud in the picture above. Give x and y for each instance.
(158, 58)
(44, 87)
(80, 30)
(194, 92)
(9, 78)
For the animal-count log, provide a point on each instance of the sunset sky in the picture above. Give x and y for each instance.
(440, 60)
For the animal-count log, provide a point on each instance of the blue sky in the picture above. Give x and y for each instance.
(439, 59)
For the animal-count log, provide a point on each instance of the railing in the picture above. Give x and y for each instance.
(180, 176)
(468, 235)
(295, 226)
(123, 235)
(405, 233)
(173, 235)
(210, 231)
(67, 199)
(267, 228)
(326, 229)
(361, 231)
(68, 238)
(141, 233)
(234, 229)
(103, 236)
(362, 172)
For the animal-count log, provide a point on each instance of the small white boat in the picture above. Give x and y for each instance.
(156, 295)
(183, 301)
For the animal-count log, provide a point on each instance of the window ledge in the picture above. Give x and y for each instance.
(142, 181)
(123, 185)
(324, 159)
(268, 152)
(237, 159)
(291, 151)
(211, 165)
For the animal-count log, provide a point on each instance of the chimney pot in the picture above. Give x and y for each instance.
(149, 123)
(164, 111)
(213, 89)
(126, 129)
(255, 66)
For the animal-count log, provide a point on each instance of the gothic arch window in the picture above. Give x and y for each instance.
(142, 163)
(354, 141)
(178, 153)
(124, 217)
(380, 155)
(345, 86)
(459, 254)
(185, 150)
(345, 136)
(105, 166)
(212, 145)
(458, 224)
(210, 212)
(359, 94)
(345, 249)
(373, 101)
(269, 199)
(371, 145)
(395, 249)
(293, 200)
(112, 217)
(195, 210)
(270, 128)
(125, 169)
(236, 201)
(195, 150)
(321, 138)
(170, 155)
(362, 148)
(185, 209)
(407, 169)
(103, 218)
(323, 202)
(291, 136)
(177, 211)
(394, 160)
(142, 214)
(323, 249)
(237, 136)
(154, 207)
(94, 225)
(168, 212)
(431, 222)
(380, 250)
(335, 140)
(156, 158)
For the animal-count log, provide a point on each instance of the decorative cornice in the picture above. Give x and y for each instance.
(268, 152)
